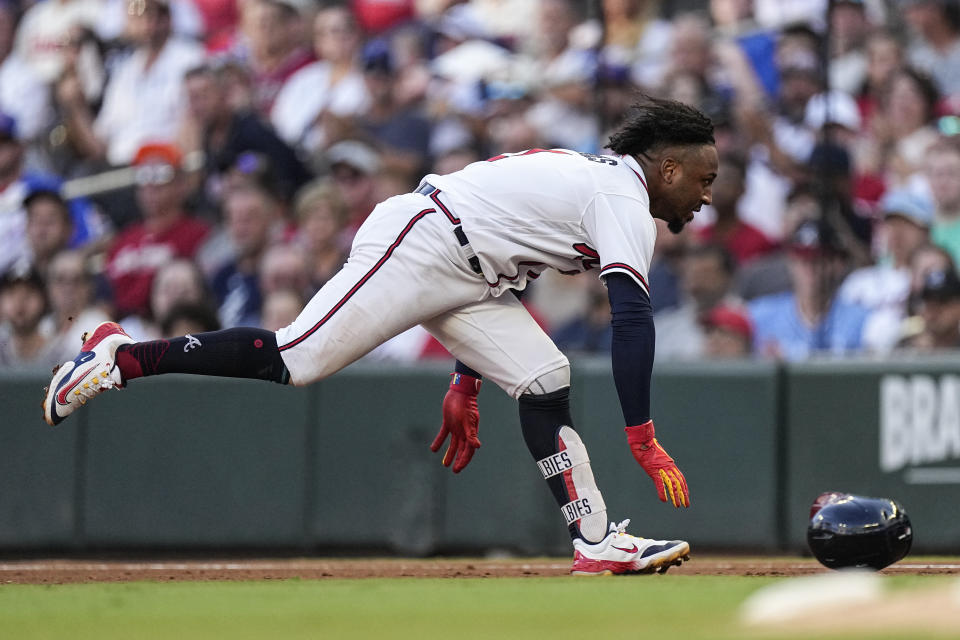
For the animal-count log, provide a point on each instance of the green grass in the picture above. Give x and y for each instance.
(650, 607)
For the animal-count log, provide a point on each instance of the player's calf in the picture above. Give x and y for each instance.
(109, 358)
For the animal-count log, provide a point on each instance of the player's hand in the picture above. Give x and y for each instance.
(461, 421)
(659, 466)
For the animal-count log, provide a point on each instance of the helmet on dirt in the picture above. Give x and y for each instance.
(847, 530)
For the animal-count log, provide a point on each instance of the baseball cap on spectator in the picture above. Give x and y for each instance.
(354, 154)
(910, 205)
(941, 286)
(812, 239)
(835, 107)
(377, 58)
(729, 319)
(157, 163)
(158, 153)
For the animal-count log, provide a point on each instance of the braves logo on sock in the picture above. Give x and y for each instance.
(192, 343)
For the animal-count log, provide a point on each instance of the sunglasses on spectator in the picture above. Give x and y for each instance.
(154, 175)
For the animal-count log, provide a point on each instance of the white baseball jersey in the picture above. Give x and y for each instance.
(557, 208)
(520, 214)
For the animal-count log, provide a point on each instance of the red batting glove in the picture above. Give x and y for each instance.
(461, 419)
(658, 465)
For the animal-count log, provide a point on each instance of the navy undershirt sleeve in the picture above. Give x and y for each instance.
(633, 346)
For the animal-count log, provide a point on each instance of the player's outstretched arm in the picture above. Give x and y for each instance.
(461, 419)
(632, 358)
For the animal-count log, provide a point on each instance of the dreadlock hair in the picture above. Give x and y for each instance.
(654, 122)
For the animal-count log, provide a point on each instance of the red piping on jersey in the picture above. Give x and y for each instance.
(639, 177)
(520, 265)
(435, 197)
(362, 281)
(636, 274)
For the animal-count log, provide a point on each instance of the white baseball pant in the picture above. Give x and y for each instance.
(406, 267)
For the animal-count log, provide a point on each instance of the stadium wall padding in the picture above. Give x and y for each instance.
(184, 462)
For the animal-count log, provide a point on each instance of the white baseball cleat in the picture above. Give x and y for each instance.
(90, 373)
(621, 553)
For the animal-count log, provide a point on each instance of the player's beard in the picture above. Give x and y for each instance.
(676, 225)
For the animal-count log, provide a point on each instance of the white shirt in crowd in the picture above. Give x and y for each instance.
(883, 289)
(310, 92)
(24, 98)
(145, 104)
(13, 226)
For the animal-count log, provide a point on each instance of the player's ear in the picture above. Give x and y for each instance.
(669, 169)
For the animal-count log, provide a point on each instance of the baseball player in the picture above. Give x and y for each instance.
(443, 257)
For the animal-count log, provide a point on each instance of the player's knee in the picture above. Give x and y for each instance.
(550, 382)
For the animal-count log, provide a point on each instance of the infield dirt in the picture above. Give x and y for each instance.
(63, 571)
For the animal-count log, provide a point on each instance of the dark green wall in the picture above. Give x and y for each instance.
(188, 462)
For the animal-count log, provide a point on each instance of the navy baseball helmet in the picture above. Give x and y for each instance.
(847, 530)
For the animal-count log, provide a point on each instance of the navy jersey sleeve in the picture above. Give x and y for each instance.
(633, 346)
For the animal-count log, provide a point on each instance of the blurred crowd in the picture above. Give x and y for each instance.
(186, 165)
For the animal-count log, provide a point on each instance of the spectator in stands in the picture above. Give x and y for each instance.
(228, 133)
(311, 101)
(940, 311)
(563, 112)
(636, 36)
(885, 56)
(221, 20)
(178, 282)
(70, 290)
(354, 166)
(735, 23)
(666, 266)
(771, 273)
(942, 171)
(22, 306)
(23, 95)
(49, 227)
(849, 27)
(810, 320)
(189, 317)
(706, 280)
(902, 129)
(144, 100)
(591, 331)
(924, 261)
(165, 233)
(251, 218)
(284, 267)
(281, 308)
(936, 51)
(321, 215)
(275, 47)
(402, 131)
(15, 185)
(54, 36)
(884, 288)
(743, 241)
(728, 333)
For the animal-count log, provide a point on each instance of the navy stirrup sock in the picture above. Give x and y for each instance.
(562, 460)
(243, 352)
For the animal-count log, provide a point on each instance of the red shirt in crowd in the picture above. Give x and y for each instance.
(137, 254)
(744, 241)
